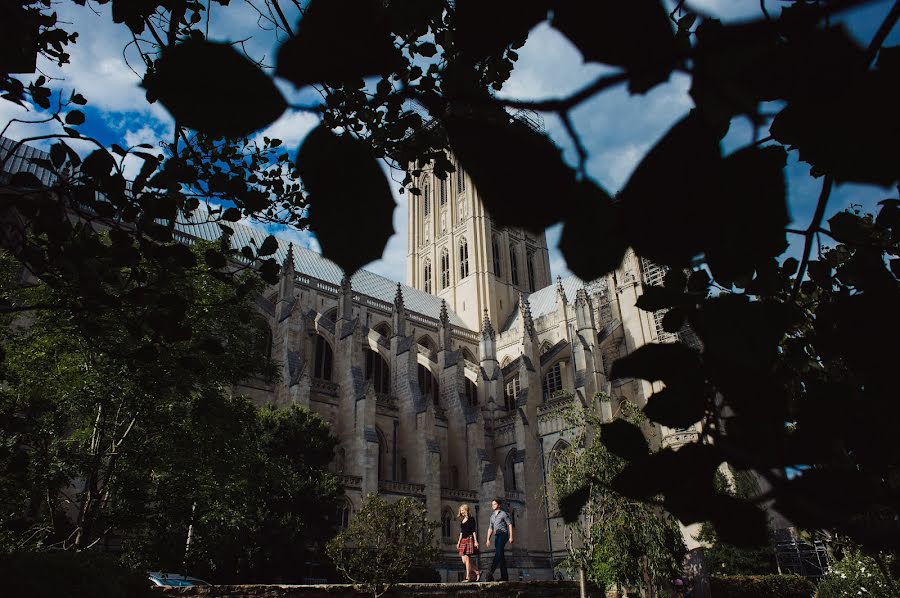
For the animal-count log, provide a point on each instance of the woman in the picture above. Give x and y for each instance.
(468, 542)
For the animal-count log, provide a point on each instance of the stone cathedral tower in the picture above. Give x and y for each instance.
(454, 251)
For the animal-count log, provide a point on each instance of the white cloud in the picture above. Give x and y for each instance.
(291, 128)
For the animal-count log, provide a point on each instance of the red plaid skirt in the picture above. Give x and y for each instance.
(467, 546)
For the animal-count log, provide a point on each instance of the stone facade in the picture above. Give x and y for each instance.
(556, 589)
(431, 403)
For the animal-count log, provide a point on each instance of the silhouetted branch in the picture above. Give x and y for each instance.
(827, 185)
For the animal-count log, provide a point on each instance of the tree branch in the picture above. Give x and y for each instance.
(827, 185)
(889, 21)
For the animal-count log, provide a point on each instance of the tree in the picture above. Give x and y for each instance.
(858, 574)
(88, 395)
(384, 542)
(618, 542)
(789, 346)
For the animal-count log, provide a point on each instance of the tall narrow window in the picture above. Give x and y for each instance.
(513, 266)
(446, 524)
(426, 276)
(378, 372)
(428, 385)
(495, 248)
(463, 259)
(509, 472)
(511, 393)
(427, 201)
(530, 265)
(460, 179)
(471, 393)
(324, 359)
(445, 268)
(552, 382)
(442, 191)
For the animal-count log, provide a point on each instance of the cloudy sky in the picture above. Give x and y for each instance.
(616, 128)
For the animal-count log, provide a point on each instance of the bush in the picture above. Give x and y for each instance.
(65, 574)
(422, 575)
(858, 574)
(761, 586)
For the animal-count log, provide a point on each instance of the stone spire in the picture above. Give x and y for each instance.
(398, 297)
(584, 312)
(527, 320)
(345, 299)
(487, 330)
(287, 273)
(560, 291)
(398, 315)
(444, 331)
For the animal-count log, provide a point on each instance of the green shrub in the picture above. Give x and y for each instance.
(761, 586)
(858, 574)
(65, 574)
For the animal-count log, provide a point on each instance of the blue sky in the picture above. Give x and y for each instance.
(616, 128)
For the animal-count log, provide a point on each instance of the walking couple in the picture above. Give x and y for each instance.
(501, 529)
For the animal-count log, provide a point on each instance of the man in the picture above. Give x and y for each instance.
(501, 529)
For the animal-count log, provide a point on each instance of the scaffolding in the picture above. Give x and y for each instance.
(806, 558)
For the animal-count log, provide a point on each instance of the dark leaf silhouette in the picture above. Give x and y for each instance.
(25, 179)
(338, 41)
(687, 471)
(673, 192)
(655, 361)
(591, 241)
(486, 28)
(751, 215)
(344, 180)
(74, 117)
(624, 440)
(210, 87)
(636, 35)
(677, 406)
(570, 505)
(492, 149)
(98, 163)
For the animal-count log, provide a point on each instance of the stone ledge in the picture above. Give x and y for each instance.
(515, 589)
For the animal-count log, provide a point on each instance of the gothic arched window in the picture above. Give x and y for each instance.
(454, 477)
(428, 385)
(345, 510)
(552, 381)
(495, 248)
(382, 454)
(467, 355)
(324, 359)
(530, 265)
(509, 472)
(442, 191)
(426, 276)
(446, 524)
(513, 264)
(471, 393)
(445, 268)
(427, 200)
(383, 329)
(403, 469)
(378, 371)
(511, 393)
(460, 179)
(463, 258)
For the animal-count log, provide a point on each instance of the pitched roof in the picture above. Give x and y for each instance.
(306, 261)
(543, 301)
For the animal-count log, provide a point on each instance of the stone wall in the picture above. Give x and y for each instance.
(532, 589)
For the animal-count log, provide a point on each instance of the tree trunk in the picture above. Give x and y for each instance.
(582, 582)
(190, 536)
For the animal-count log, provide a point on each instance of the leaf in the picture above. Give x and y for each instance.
(570, 506)
(859, 143)
(117, 149)
(624, 440)
(58, 154)
(636, 35)
(74, 117)
(214, 259)
(655, 298)
(738, 522)
(98, 163)
(673, 193)
(655, 361)
(268, 247)
(483, 29)
(790, 265)
(350, 201)
(847, 227)
(315, 54)
(78, 99)
(427, 49)
(689, 469)
(25, 179)
(751, 215)
(591, 241)
(491, 148)
(210, 87)
(231, 215)
(677, 406)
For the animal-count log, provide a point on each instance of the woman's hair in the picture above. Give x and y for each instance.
(464, 508)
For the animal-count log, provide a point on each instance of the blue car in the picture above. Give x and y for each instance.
(159, 578)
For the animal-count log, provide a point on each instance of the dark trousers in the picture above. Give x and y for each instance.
(500, 540)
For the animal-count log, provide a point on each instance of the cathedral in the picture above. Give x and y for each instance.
(450, 388)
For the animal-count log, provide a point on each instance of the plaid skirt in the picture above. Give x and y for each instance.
(467, 546)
